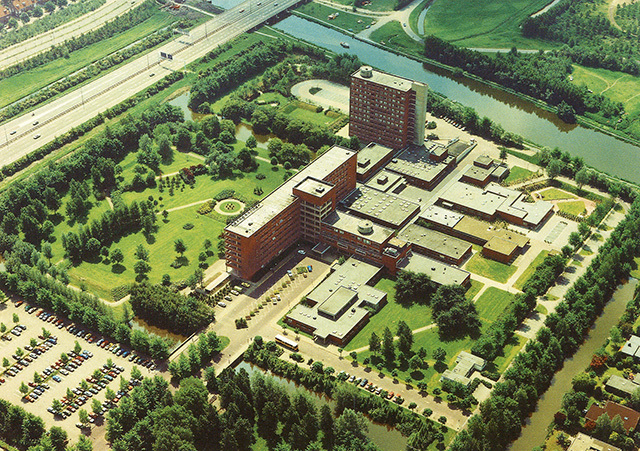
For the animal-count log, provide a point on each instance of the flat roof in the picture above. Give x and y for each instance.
(353, 273)
(371, 155)
(485, 160)
(385, 79)
(282, 197)
(486, 231)
(324, 327)
(337, 301)
(383, 180)
(622, 384)
(477, 173)
(415, 162)
(358, 226)
(473, 198)
(436, 241)
(501, 246)
(441, 216)
(380, 206)
(632, 346)
(314, 186)
(583, 442)
(534, 212)
(439, 272)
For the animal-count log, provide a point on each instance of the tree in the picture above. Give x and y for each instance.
(58, 438)
(141, 268)
(141, 253)
(374, 343)
(387, 346)
(415, 362)
(583, 177)
(454, 314)
(503, 153)
(354, 355)
(180, 247)
(96, 406)
(405, 337)
(77, 348)
(554, 168)
(116, 256)
(83, 416)
(135, 373)
(24, 388)
(414, 287)
(16, 318)
(575, 239)
(603, 427)
(251, 142)
(439, 354)
(49, 7)
(109, 394)
(583, 229)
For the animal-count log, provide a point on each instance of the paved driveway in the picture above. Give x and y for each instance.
(331, 95)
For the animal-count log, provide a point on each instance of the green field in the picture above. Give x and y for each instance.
(513, 347)
(23, 84)
(555, 194)
(572, 207)
(393, 35)
(483, 23)
(415, 316)
(518, 174)
(491, 269)
(492, 303)
(375, 5)
(347, 21)
(530, 269)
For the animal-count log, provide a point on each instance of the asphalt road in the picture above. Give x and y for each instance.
(88, 22)
(55, 118)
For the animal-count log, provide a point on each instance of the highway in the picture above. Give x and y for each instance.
(81, 25)
(26, 133)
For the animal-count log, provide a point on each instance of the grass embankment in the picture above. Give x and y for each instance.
(392, 34)
(619, 87)
(518, 174)
(347, 21)
(491, 24)
(374, 5)
(491, 269)
(25, 83)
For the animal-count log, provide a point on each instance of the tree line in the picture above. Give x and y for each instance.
(65, 14)
(501, 416)
(26, 431)
(162, 307)
(109, 29)
(543, 76)
(421, 432)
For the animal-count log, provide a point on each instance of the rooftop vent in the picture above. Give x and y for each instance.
(366, 72)
(320, 189)
(365, 228)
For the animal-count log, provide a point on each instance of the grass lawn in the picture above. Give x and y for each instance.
(555, 194)
(636, 272)
(18, 86)
(492, 303)
(517, 174)
(495, 24)
(491, 269)
(530, 270)
(474, 289)
(572, 207)
(306, 112)
(205, 188)
(541, 309)
(533, 159)
(100, 276)
(345, 20)
(513, 347)
(415, 316)
(180, 160)
(393, 35)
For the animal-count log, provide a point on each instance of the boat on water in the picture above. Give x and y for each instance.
(344, 44)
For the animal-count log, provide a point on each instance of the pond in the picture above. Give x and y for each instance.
(386, 438)
(175, 340)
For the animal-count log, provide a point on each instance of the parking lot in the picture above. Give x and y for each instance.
(42, 354)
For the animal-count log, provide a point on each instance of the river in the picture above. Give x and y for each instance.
(535, 429)
(386, 438)
(516, 115)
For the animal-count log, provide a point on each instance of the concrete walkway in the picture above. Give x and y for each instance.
(401, 16)
(330, 95)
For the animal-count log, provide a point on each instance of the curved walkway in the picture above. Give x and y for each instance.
(401, 16)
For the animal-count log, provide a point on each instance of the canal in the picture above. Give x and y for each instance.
(516, 115)
(535, 429)
(386, 438)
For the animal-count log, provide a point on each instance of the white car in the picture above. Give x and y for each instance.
(222, 304)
